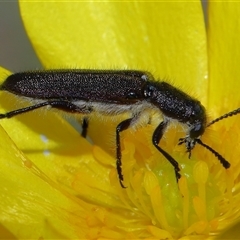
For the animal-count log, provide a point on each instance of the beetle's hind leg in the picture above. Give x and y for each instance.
(59, 104)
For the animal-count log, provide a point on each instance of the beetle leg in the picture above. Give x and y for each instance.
(60, 104)
(120, 127)
(84, 127)
(157, 135)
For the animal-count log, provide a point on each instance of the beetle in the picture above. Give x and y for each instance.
(113, 92)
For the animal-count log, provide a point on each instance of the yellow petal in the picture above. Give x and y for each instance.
(30, 193)
(224, 56)
(32, 205)
(164, 206)
(43, 134)
(167, 39)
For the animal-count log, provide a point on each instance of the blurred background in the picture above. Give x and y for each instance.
(16, 52)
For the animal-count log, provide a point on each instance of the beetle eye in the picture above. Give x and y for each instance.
(192, 117)
(148, 92)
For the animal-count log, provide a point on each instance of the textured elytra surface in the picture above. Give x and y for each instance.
(91, 85)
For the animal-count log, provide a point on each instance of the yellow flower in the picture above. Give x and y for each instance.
(55, 184)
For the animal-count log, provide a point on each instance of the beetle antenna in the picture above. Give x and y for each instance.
(222, 160)
(230, 114)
